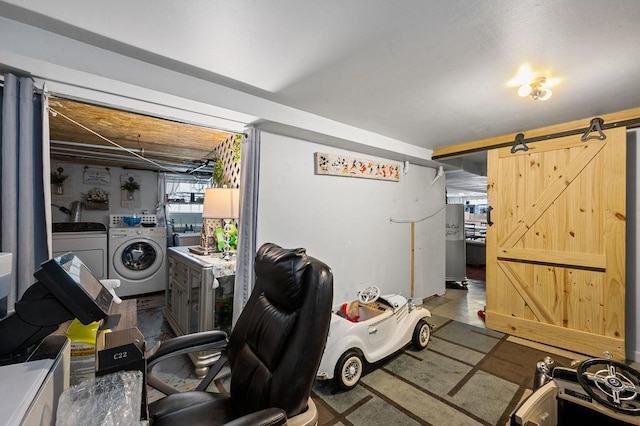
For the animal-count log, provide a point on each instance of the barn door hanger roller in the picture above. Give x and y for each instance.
(518, 144)
(595, 126)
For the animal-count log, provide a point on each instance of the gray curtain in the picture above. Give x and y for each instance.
(23, 229)
(247, 223)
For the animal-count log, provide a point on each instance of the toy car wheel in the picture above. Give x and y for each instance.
(348, 370)
(421, 335)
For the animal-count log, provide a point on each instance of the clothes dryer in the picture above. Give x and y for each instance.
(88, 240)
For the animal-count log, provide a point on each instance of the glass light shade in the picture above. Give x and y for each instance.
(524, 90)
(221, 203)
(544, 94)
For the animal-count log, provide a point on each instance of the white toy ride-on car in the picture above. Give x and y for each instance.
(370, 329)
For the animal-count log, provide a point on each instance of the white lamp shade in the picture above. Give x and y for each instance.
(221, 203)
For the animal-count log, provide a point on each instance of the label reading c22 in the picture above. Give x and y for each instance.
(120, 355)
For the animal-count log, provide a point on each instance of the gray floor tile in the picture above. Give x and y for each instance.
(339, 400)
(455, 351)
(435, 373)
(482, 340)
(379, 412)
(474, 396)
(424, 406)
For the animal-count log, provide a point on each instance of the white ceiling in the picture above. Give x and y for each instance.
(426, 73)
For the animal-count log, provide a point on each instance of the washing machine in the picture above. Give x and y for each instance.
(137, 255)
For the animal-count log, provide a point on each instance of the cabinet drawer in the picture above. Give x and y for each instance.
(180, 273)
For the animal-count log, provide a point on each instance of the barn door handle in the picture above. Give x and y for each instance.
(489, 216)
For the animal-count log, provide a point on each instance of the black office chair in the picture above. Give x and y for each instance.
(274, 350)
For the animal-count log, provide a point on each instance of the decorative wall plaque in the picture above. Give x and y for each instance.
(96, 177)
(342, 165)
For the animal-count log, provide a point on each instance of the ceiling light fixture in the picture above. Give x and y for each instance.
(536, 89)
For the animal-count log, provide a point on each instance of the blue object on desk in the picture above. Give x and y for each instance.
(131, 220)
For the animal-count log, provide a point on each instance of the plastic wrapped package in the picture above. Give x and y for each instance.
(110, 400)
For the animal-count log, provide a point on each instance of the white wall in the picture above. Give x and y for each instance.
(345, 222)
(74, 188)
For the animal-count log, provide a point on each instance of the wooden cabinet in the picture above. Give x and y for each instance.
(178, 306)
(199, 297)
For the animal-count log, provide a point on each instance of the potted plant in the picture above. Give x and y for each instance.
(96, 199)
(57, 179)
(130, 185)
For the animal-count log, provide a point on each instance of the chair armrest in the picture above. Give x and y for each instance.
(203, 341)
(266, 417)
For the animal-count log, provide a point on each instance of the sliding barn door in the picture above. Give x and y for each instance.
(556, 249)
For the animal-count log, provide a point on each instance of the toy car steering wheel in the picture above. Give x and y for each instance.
(621, 390)
(369, 294)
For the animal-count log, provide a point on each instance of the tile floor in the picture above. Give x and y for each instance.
(461, 305)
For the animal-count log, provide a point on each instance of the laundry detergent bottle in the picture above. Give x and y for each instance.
(83, 350)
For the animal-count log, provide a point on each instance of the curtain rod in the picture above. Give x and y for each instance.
(36, 89)
(630, 124)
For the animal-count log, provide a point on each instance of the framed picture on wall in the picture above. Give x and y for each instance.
(342, 165)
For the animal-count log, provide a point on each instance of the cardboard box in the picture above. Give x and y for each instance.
(123, 350)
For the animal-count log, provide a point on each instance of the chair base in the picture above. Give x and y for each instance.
(308, 418)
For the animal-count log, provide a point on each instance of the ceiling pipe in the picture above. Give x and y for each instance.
(199, 168)
(92, 146)
(438, 175)
(68, 152)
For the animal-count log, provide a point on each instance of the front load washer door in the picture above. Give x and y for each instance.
(138, 259)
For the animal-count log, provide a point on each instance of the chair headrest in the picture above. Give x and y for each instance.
(280, 273)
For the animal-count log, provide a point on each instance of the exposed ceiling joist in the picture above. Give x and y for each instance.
(83, 133)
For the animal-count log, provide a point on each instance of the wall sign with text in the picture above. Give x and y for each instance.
(96, 177)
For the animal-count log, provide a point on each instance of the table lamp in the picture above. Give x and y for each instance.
(219, 203)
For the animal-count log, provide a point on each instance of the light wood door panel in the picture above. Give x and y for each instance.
(555, 252)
